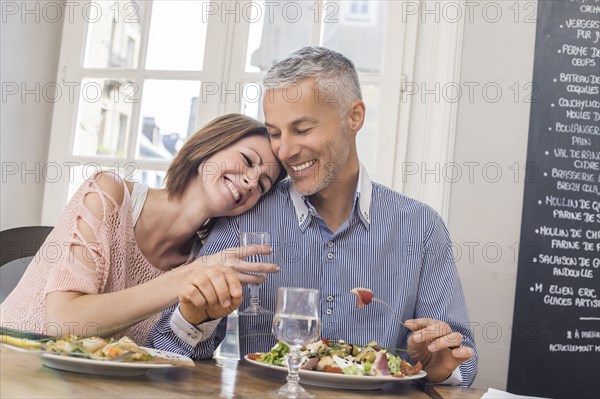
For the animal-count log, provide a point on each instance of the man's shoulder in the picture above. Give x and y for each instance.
(274, 205)
(277, 195)
(277, 199)
(280, 190)
(388, 198)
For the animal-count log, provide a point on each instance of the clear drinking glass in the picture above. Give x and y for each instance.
(296, 323)
(249, 239)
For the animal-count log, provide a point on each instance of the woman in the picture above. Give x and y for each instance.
(105, 269)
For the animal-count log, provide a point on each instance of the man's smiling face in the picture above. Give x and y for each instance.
(307, 135)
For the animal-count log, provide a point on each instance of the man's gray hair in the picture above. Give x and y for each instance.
(334, 74)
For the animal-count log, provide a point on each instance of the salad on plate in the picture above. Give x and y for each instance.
(342, 358)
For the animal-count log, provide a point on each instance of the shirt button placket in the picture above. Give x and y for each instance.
(329, 248)
(329, 298)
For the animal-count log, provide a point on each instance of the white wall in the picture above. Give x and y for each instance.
(28, 56)
(486, 170)
(485, 212)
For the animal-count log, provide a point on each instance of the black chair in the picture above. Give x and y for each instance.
(20, 243)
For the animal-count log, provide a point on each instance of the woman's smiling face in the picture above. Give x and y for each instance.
(236, 177)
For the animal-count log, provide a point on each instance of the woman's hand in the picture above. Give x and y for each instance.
(214, 286)
(437, 347)
(233, 258)
(212, 292)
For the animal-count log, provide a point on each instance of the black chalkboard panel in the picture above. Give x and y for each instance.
(555, 350)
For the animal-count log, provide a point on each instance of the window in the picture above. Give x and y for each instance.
(147, 74)
(360, 13)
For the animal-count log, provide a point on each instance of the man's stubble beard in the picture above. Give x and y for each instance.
(336, 157)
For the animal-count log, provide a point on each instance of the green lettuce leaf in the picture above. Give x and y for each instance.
(276, 355)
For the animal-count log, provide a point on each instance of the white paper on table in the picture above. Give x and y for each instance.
(497, 394)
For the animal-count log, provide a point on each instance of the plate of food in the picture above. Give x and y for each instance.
(342, 365)
(95, 355)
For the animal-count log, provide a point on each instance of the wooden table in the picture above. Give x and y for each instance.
(22, 375)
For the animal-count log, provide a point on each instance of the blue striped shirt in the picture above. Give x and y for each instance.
(396, 246)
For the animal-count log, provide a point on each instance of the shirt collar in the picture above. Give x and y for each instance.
(363, 192)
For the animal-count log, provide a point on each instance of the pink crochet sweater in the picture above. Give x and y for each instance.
(119, 264)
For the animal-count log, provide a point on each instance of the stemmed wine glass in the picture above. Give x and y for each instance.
(296, 323)
(248, 239)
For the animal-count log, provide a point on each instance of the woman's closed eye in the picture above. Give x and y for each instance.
(251, 164)
(248, 161)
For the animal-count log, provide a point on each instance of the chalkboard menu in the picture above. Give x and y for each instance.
(555, 350)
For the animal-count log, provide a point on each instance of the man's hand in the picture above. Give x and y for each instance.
(233, 258)
(437, 347)
(212, 292)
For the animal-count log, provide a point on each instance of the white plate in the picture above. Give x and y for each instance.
(106, 367)
(340, 381)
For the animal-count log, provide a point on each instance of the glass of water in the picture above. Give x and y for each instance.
(296, 322)
(246, 240)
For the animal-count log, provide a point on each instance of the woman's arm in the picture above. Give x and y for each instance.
(89, 313)
(76, 312)
(209, 287)
(106, 314)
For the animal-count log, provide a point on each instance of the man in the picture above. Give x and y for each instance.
(334, 230)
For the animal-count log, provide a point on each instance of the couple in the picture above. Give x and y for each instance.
(333, 230)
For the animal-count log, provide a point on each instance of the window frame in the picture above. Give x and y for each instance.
(435, 137)
(71, 71)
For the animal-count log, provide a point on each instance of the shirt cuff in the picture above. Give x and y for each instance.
(454, 379)
(189, 333)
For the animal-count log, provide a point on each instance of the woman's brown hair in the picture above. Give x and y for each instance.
(210, 139)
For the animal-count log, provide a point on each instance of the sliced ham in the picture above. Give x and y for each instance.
(380, 365)
(310, 364)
